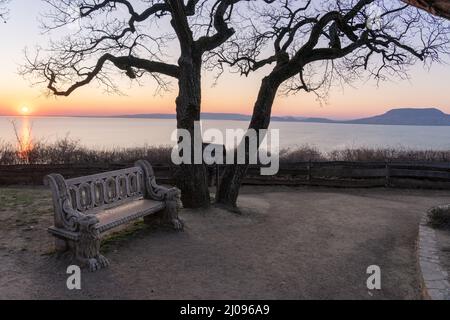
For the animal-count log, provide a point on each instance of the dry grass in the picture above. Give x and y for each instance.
(309, 153)
(389, 154)
(303, 153)
(69, 151)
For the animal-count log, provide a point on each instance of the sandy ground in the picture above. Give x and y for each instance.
(289, 243)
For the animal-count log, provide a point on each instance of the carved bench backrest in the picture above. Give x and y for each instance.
(94, 193)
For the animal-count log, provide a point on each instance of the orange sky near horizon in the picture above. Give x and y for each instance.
(233, 94)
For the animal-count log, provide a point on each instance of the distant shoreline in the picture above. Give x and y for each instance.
(395, 117)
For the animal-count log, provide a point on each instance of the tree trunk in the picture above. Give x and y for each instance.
(191, 178)
(233, 175)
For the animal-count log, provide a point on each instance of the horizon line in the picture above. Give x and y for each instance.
(209, 113)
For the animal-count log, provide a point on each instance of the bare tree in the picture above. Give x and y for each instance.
(4, 10)
(128, 36)
(311, 46)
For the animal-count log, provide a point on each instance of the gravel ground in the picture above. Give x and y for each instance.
(289, 243)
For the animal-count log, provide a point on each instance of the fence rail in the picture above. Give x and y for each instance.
(359, 174)
(333, 174)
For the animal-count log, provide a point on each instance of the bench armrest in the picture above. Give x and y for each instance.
(66, 217)
(153, 190)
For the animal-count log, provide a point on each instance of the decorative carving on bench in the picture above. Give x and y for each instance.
(171, 197)
(173, 206)
(83, 205)
(87, 250)
(65, 216)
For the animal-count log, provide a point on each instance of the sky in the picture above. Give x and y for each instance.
(232, 94)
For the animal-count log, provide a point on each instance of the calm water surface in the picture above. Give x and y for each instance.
(111, 132)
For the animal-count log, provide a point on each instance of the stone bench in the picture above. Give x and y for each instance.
(87, 207)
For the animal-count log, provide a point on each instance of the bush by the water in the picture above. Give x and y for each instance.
(69, 151)
(439, 217)
(389, 154)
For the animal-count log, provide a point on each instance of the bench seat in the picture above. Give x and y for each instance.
(115, 217)
(86, 207)
(135, 210)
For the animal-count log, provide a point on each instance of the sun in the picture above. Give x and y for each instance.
(24, 110)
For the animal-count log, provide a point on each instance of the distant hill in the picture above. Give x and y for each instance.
(408, 117)
(399, 117)
(405, 116)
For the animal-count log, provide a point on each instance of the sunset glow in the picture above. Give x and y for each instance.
(232, 94)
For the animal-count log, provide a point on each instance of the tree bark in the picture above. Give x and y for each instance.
(233, 175)
(192, 178)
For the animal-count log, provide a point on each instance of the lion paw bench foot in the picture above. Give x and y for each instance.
(87, 207)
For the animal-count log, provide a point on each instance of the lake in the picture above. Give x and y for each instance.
(113, 132)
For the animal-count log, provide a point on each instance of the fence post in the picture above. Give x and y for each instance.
(217, 176)
(309, 171)
(388, 175)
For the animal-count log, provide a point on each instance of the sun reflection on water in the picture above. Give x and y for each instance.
(24, 138)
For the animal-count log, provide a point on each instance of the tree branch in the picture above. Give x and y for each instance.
(123, 63)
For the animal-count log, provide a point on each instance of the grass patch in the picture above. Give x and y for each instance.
(25, 207)
(12, 198)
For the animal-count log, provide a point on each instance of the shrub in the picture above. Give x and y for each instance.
(71, 151)
(299, 154)
(439, 217)
(389, 154)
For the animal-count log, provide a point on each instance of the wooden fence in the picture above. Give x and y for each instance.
(359, 174)
(34, 174)
(332, 174)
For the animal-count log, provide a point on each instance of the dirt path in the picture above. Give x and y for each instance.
(289, 244)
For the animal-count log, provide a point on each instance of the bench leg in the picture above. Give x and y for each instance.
(87, 249)
(173, 207)
(170, 215)
(167, 217)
